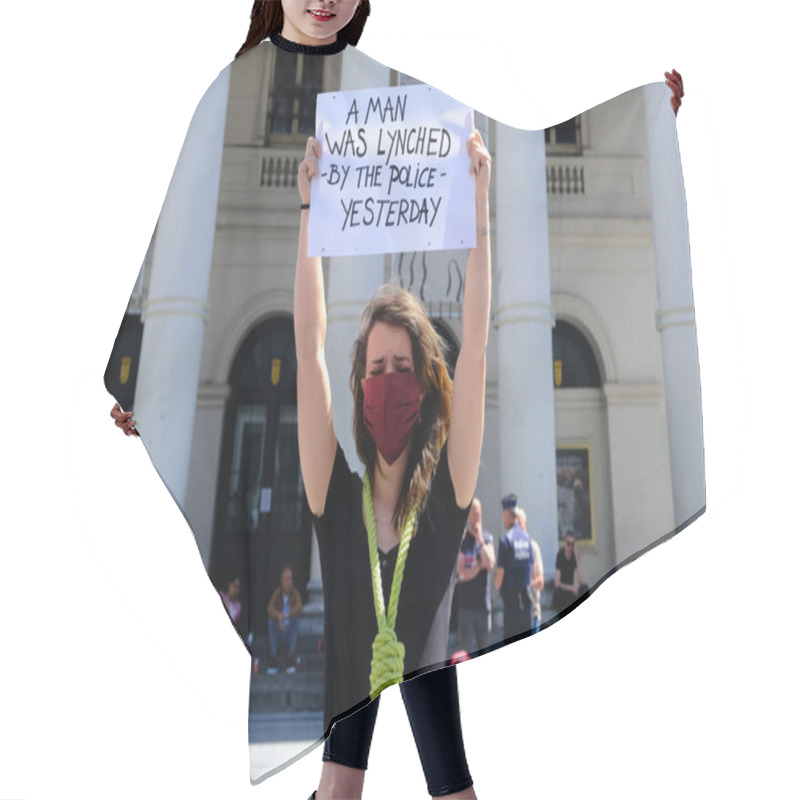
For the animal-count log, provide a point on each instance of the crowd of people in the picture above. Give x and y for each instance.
(517, 573)
(515, 569)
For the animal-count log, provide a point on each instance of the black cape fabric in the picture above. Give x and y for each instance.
(593, 405)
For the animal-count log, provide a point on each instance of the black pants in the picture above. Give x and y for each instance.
(432, 706)
(563, 599)
(517, 614)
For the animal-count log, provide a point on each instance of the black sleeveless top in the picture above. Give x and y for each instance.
(426, 594)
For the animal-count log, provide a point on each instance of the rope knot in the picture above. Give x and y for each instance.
(388, 656)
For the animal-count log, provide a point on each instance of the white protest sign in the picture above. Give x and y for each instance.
(394, 173)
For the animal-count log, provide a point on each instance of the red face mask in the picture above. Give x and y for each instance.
(391, 410)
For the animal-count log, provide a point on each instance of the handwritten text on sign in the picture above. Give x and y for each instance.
(394, 173)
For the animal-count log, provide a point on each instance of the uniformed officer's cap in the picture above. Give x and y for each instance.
(509, 502)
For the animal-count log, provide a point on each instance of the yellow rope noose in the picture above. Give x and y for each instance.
(388, 654)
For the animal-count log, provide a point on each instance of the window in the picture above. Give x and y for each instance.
(296, 82)
(565, 138)
(574, 364)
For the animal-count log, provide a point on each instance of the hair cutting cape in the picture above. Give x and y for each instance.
(593, 415)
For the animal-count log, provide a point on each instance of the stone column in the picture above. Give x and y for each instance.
(175, 312)
(641, 486)
(201, 492)
(525, 337)
(675, 319)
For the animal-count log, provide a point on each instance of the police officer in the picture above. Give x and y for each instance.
(512, 578)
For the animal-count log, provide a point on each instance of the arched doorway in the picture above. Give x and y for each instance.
(583, 474)
(261, 520)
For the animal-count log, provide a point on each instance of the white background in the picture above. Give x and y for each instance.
(119, 676)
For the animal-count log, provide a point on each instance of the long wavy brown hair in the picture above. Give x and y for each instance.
(266, 19)
(395, 306)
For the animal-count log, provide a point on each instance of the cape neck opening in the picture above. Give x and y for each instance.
(314, 50)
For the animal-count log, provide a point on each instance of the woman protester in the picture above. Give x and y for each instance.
(388, 546)
(419, 437)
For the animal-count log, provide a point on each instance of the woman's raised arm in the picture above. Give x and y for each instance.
(316, 438)
(469, 384)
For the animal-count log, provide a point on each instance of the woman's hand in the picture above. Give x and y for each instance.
(308, 169)
(675, 83)
(480, 165)
(124, 420)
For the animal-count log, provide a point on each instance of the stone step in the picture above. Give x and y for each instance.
(301, 691)
(309, 662)
(282, 727)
